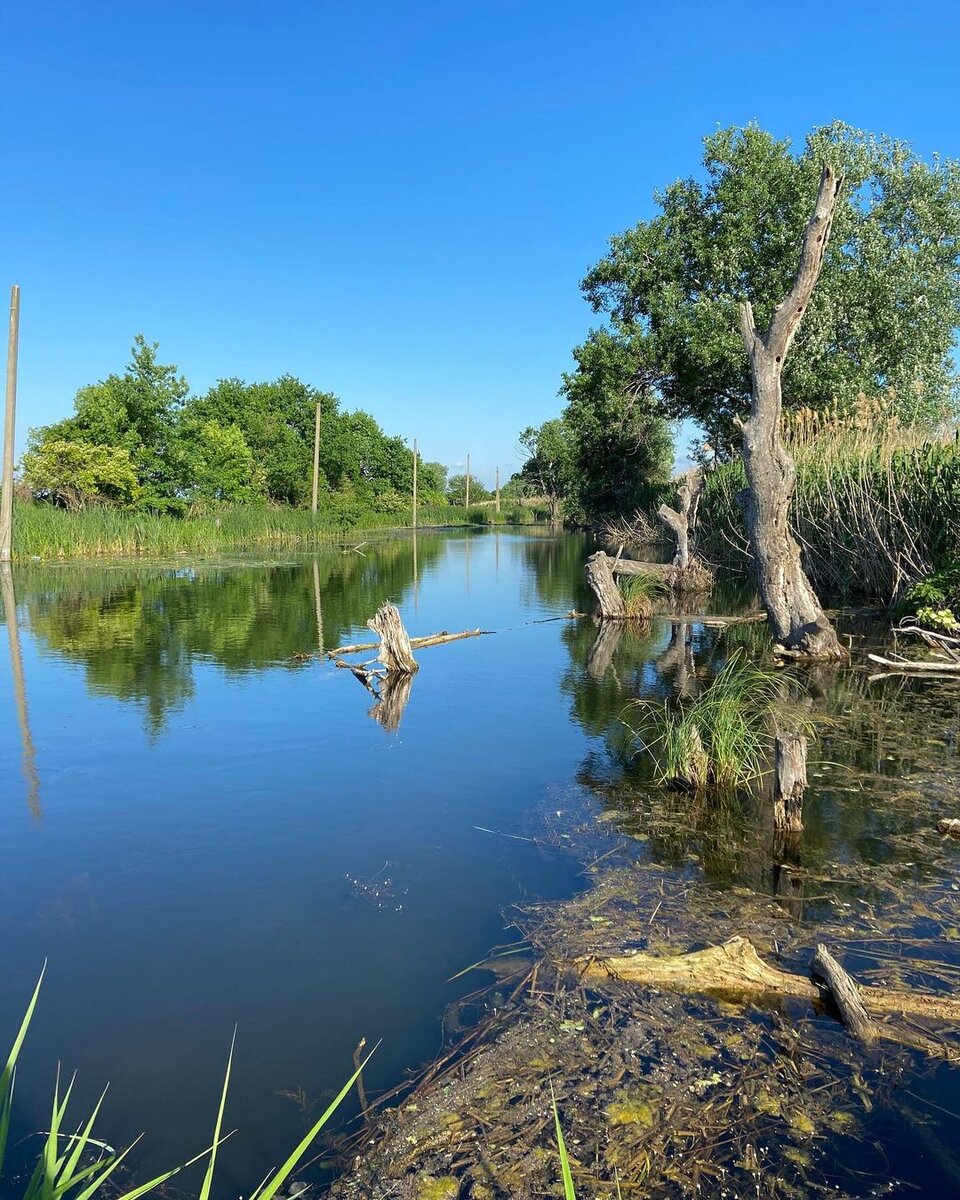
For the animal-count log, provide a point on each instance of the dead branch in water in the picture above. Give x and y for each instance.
(735, 968)
(418, 643)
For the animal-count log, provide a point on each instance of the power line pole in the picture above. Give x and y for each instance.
(9, 422)
(414, 483)
(467, 501)
(498, 489)
(316, 460)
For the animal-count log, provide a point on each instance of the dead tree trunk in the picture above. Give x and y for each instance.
(610, 605)
(844, 993)
(789, 782)
(798, 621)
(395, 652)
(683, 523)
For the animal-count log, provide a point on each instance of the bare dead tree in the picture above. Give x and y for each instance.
(795, 614)
(682, 524)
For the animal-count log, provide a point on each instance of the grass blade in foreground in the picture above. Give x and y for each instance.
(568, 1189)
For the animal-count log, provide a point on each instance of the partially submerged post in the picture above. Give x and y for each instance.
(798, 621)
(610, 603)
(789, 782)
(395, 650)
(9, 423)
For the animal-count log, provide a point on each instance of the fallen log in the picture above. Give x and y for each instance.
(845, 995)
(735, 969)
(417, 643)
(913, 666)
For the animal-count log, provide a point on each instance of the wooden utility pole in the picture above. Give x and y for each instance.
(467, 501)
(316, 461)
(498, 489)
(9, 422)
(414, 483)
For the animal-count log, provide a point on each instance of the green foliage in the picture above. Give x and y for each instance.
(935, 599)
(885, 308)
(639, 594)
(77, 474)
(720, 738)
(77, 1166)
(222, 467)
(457, 491)
(550, 470)
(569, 1192)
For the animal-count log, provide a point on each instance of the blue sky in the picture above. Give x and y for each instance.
(394, 201)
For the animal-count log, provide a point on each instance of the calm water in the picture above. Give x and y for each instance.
(201, 831)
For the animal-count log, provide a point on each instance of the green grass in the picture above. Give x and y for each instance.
(639, 594)
(44, 532)
(77, 1166)
(719, 739)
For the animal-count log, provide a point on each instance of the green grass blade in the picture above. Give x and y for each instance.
(208, 1177)
(9, 1071)
(568, 1190)
(268, 1190)
(67, 1176)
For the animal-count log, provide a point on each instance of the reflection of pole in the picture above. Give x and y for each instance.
(467, 501)
(416, 580)
(316, 460)
(496, 542)
(19, 689)
(498, 489)
(316, 602)
(6, 490)
(414, 483)
(468, 564)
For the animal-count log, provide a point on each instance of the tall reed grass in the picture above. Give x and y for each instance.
(44, 532)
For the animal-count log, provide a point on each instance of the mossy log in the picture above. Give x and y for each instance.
(736, 969)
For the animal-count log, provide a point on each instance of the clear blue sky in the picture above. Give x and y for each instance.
(395, 201)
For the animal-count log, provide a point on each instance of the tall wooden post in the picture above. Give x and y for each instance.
(316, 460)
(467, 501)
(414, 483)
(498, 489)
(9, 422)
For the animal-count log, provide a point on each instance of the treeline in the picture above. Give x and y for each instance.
(141, 441)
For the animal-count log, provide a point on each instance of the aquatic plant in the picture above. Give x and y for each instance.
(77, 1166)
(569, 1192)
(639, 593)
(719, 738)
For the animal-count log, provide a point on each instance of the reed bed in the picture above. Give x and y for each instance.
(44, 532)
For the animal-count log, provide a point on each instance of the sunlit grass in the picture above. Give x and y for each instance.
(639, 594)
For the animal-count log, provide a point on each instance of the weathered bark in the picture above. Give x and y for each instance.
(795, 614)
(735, 968)
(844, 993)
(683, 523)
(610, 605)
(789, 781)
(949, 827)
(395, 652)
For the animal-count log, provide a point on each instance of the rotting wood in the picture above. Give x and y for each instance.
(735, 968)
(396, 653)
(789, 781)
(683, 523)
(417, 643)
(610, 603)
(949, 827)
(845, 995)
(796, 616)
(909, 666)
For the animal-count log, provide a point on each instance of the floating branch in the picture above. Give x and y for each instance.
(417, 643)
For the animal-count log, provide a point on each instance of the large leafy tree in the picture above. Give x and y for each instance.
(549, 467)
(137, 412)
(882, 319)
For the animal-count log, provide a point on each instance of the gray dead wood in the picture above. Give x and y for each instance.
(682, 524)
(395, 651)
(844, 993)
(599, 571)
(795, 614)
(789, 781)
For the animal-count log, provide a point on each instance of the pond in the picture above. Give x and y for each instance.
(204, 827)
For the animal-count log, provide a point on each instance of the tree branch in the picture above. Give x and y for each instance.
(815, 238)
(748, 329)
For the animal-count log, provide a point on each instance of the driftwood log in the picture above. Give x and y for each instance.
(796, 616)
(395, 651)
(610, 603)
(844, 993)
(735, 969)
(789, 781)
(417, 643)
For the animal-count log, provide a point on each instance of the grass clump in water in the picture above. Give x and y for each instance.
(639, 594)
(720, 738)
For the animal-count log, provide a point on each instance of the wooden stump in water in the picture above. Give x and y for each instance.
(789, 782)
(610, 604)
(844, 993)
(395, 652)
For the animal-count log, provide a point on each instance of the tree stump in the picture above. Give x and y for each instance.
(789, 782)
(610, 604)
(395, 652)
